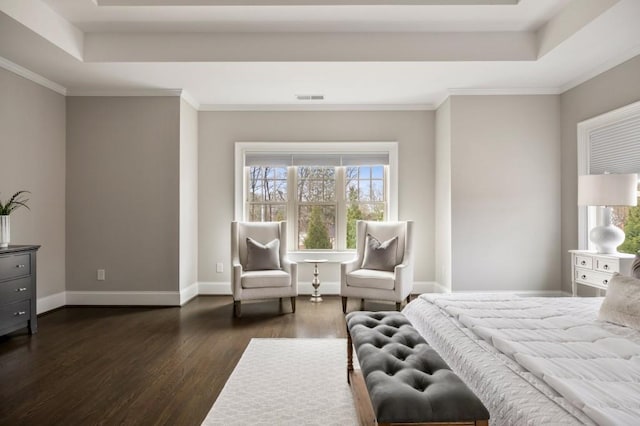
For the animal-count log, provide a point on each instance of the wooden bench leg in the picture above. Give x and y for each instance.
(344, 305)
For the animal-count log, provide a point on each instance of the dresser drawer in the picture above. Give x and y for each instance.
(585, 262)
(606, 265)
(15, 290)
(18, 265)
(14, 313)
(591, 277)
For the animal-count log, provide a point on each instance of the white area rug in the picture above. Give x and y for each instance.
(287, 382)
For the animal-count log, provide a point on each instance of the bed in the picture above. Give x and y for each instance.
(536, 360)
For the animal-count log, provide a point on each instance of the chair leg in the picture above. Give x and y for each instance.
(398, 306)
(237, 310)
(344, 305)
(280, 304)
(293, 304)
(362, 304)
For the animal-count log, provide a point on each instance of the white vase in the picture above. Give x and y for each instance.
(5, 234)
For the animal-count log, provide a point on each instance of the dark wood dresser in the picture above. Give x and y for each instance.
(18, 289)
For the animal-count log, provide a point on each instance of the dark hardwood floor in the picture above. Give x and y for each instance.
(98, 365)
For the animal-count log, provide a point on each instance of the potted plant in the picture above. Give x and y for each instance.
(16, 201)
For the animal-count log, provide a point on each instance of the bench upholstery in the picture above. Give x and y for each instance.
(407, 381)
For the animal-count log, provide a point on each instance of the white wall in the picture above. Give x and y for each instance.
(414, 131)
(505, 193)
(188, 195)
(123, 177)
(443, 196)
(613, 89)
(32, 149)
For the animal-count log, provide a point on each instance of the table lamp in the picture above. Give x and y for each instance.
(607, 190)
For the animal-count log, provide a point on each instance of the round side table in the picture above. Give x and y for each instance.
(316, 297)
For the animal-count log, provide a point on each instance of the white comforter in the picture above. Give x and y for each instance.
(593, 365)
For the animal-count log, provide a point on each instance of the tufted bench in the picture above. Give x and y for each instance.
(402, 379)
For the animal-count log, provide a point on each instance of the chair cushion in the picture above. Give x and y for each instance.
(371, 278)
(380, 255)
(263, 256)
(262, 279)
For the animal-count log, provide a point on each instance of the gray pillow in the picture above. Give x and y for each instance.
(622, 303)
(380, 256)
(635, 267)
(261, 257)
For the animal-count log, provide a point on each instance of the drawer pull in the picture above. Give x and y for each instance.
(21, 265)
(605, 267)
(584, 262)
(584, 277)
(21, 289)
(605, 282)
(19, 313)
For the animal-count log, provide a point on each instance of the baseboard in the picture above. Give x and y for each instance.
(51, 302)
(188, 293)
(526, 293)
(210, 288)
(125, 298)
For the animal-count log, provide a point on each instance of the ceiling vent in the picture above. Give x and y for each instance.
(310, 97)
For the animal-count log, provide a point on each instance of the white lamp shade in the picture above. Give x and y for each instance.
(608, 190)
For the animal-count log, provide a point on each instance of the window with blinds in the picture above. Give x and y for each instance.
(610, 143)
(321, 194)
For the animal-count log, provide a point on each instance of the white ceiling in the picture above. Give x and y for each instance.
(260, 57)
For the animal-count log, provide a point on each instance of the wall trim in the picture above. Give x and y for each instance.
(124, 298)
(124, 92)
(30, 75)
(51, 302)
(504, 91)
(188, 293)
(186, 96)
(316, 107)
(525, 293)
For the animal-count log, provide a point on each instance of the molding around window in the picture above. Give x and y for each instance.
(585, 128)
(242, 148)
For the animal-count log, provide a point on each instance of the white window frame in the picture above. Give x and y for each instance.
(340, 253)
(587, 216)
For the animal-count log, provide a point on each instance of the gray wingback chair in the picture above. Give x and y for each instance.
(261, 284)
(395, 285)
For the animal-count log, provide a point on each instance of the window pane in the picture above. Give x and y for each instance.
(267, 183)
(361, 211)
(316, 227)
(377, 172)
(377, 190)
(316, 184)
(628, 219)
(267, 212)
(365, 190)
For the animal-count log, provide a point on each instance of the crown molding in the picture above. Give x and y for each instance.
(186, 96)
(317, 107)
(603, 67)
(505, 91)
(124, 92)
(30, 75)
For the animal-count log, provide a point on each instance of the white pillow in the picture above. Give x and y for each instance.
(622, 303)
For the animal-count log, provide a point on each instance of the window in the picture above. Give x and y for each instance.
(609, 143)
(321, 190)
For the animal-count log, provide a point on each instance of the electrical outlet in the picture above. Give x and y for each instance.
(101, 275)
(219, 267)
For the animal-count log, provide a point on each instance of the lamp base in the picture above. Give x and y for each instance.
(606, 237)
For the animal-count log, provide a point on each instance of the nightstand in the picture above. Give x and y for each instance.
(595, 270)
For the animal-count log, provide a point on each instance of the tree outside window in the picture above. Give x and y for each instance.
(628, 219)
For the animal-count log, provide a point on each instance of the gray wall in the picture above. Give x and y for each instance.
(188, 195)
(123, 193)
(613, 89)
(505, 193)
(32, 149)
(443, 196)
(414, 131)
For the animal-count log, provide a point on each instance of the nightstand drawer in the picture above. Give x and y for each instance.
(585, 262)
(15, 313)
(15, 290)
(606, 265)
(17, 265)
(591, 277)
